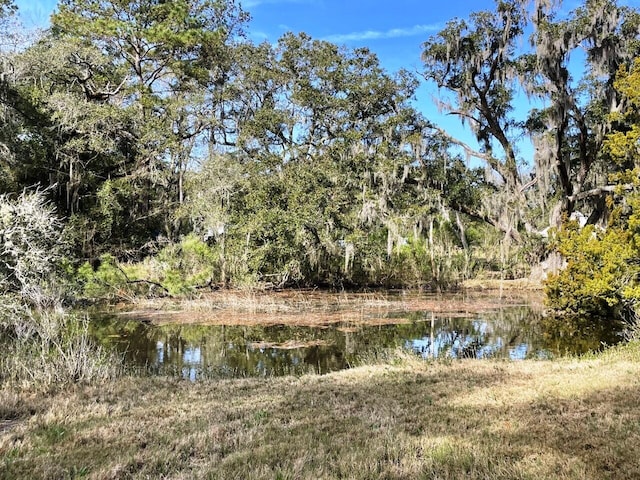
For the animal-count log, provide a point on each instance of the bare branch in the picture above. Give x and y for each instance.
(528, 185)
(596, 192)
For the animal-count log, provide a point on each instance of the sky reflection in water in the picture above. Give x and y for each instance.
(197, 351)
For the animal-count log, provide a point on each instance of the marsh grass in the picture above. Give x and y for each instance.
(575, 418)
(264, 301)
(43, 349)
(315, 307)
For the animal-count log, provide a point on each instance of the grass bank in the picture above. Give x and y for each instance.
(562, 419)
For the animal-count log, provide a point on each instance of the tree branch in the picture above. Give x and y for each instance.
(596, 192)
(511, 232)
(493, 163)
(528, 185)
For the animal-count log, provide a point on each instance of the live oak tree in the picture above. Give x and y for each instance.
(134, 73)
(476, 61)
(326, 161)
(484, 64)
(569, 133)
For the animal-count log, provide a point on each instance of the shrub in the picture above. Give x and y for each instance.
(600, 279)
(41, 345)
(106, 281)
(187, 265)
(31, 246)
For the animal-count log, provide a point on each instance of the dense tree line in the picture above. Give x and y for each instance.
(179, 153)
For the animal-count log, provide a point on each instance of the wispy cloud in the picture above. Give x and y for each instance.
(258, 35)
(381, 35)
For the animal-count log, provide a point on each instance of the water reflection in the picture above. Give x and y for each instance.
(197, 351)
(512, 333)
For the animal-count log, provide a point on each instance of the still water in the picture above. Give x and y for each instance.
(288, 344)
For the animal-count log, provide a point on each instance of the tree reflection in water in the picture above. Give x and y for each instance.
(196, 351)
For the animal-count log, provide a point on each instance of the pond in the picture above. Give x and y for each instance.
(285, 334)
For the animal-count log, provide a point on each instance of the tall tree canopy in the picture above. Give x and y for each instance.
(335, 151)
(483, 62)
(154, 123)
(116, 89)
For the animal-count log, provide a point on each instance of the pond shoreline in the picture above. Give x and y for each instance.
(297, 332)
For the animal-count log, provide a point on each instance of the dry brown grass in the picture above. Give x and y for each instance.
(317, 308)
(497, 284)
(566, 419)
(42, 348)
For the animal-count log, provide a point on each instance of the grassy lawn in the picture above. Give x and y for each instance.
(568, 418)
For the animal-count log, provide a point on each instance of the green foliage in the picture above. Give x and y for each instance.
(108, 280)
(178, 268)
(436, 268)
(301, 162)
(600, 277)
(182, 268)
(622, 144)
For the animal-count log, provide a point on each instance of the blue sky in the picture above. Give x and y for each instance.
(394, 30)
